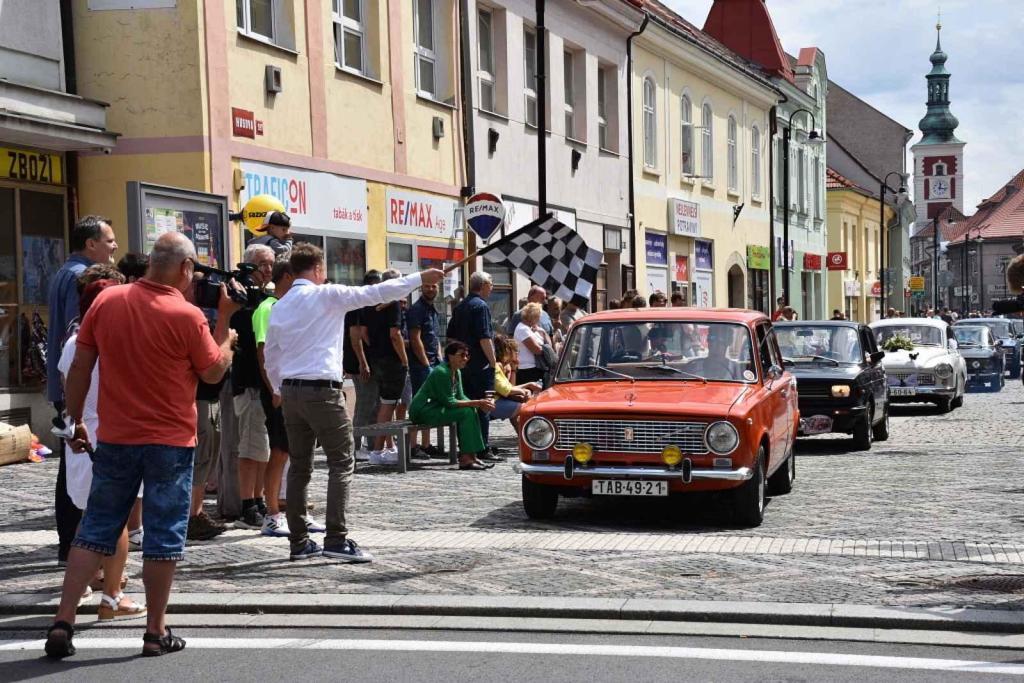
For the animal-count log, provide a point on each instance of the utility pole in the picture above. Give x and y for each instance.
(542, 105)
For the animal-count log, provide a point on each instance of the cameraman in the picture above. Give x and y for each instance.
(246, 382)
(277, 234)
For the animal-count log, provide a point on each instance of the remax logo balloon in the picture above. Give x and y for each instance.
(485, 214)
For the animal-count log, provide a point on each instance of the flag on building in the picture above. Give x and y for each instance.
(551, 254)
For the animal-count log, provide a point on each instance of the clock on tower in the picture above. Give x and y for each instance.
(939, 188)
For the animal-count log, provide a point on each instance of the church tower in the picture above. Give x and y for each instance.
(939, 155)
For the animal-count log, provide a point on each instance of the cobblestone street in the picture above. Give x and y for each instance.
(913, 522)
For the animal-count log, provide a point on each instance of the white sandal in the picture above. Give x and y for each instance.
(86, 596)
(110, 608)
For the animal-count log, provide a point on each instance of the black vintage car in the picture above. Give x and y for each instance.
(983, 355)
(1005, 331)
(840, 380)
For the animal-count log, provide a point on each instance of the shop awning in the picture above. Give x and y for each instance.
(51, 119)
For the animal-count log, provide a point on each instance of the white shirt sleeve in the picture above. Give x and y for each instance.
(272, 356)
(67, 356)
(347, 298)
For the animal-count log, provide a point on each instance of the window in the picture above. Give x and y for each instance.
(350, 34)
(777, 170)
(426, 57)
(650, 123)
(707, 143)
(485, 72)
(816, 188)
(801, 180)
(530, 74)
(602, 108)
(732, 158)
(755, 162)
(939, 169)
(686, 135)
(267, 20)
(607, 107)
(570, 95)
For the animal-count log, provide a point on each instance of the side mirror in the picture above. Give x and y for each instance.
(999, 343)
(774, 372)
(876, 357)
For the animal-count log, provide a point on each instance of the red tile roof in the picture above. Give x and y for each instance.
(999, 216)
(837, 181)
(745, 26)
(951, 225)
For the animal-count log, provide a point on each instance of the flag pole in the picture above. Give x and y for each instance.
(542, 99)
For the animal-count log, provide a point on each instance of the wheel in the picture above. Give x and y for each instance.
(781, 482)
(1002, 382)
(749, 499)
(1014, 368)
(881, 430)
(862, 432)
(958, 401)
(944, 405)
(539, 502)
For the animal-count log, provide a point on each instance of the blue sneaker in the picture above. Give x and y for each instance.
(311, 549)
(313, 526)
(347, 551)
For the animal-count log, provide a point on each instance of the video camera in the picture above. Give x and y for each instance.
(1008, 306)
(207, 289)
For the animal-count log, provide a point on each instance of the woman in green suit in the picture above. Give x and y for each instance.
(441, 401)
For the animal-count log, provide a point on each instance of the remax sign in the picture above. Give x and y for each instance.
(412, 213)
(485, 214)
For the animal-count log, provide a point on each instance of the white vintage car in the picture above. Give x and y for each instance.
(934, 372)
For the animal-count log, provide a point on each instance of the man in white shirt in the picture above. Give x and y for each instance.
(303, 361)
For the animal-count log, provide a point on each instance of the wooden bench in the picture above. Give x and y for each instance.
(401, 430)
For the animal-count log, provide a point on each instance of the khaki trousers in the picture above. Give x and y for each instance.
(314, 414)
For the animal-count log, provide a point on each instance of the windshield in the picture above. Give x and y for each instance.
(919, 335)
(971, 336)
(1018, 326)
(811, 343)
(1000, 329)
(658, 350)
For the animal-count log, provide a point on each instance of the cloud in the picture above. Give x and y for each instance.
(879, 51)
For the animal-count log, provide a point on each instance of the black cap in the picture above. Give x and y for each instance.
(280, 219)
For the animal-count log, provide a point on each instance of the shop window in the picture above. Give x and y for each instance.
(266, 20)
(500, 301)
(346, 257)
(32, 250)
(440, 257)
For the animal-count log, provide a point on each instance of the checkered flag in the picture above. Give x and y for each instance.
(551, 254)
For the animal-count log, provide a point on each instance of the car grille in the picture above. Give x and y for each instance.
(814, 390)
(924, 379)
(648, 436)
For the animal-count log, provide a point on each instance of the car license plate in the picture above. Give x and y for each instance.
(816, 424)
(628, 487)
(902, 391)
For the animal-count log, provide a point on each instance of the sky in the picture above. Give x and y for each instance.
(879, 49)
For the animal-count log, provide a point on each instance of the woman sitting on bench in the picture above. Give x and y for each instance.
(441, 401)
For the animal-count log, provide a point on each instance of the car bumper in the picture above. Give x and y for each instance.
(843, 417)
(696, 474)
(924, 394)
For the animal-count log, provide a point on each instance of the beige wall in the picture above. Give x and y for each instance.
(853, 228)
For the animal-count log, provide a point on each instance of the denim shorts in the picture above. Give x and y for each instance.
(117, 472)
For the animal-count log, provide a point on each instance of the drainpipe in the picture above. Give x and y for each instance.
(633, 251)
(773, 128)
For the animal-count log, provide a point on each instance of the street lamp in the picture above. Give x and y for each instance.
(814, 138)
(883, 229)
(965, 302)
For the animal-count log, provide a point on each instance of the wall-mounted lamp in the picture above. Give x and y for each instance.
(492, 141)
(576, 156)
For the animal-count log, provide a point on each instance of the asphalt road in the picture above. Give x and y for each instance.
(390, 655)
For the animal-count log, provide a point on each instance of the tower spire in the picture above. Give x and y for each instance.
(939, 123)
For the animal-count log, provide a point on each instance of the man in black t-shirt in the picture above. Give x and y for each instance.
(246, 382)
(356, 366)
(389, 363)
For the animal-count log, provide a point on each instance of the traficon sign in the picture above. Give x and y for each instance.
(321, 201)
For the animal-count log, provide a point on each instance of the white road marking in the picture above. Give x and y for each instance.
(558, 649)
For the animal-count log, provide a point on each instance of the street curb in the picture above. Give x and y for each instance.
(963, 619)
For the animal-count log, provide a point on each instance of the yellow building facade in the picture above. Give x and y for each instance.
(346, 112)
(853, 231)
(701, 140)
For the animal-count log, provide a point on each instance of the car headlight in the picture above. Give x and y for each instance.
(722, 438)
(944, 370)
(841, 390)
(976, 364)
(539, 433)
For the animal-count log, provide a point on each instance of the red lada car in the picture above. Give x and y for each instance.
(650, 402)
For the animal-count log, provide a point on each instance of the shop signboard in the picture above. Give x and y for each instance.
(812, 261)
(35, 167)
(704, 297)
(684, 217)
(876, 289)
(916, 283)
(852, 288)
(322, 202)
(682, 269)
(412, 213)
(704, 256)
(837, 260)
(657, 248)
(485, 214)
(758, 257)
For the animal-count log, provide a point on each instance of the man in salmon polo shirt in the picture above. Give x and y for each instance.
(154, 347)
